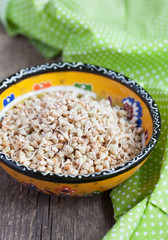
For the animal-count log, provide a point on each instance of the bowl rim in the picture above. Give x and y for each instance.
(89, 68)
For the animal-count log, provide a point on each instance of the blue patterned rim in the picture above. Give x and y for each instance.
(53, 67)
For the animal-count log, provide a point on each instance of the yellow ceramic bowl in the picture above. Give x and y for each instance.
(105, 83)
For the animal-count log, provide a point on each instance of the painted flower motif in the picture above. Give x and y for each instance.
(133, 109)
(41, 85)
(84, 86)
(64, 191)
(8, 99)
(91, 194)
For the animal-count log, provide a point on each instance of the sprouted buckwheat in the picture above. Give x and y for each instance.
(62, 132)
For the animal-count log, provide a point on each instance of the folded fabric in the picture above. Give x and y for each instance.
(127, 36)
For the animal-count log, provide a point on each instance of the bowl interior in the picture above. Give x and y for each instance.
(116, 90)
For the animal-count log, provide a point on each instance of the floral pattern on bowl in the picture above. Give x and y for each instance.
(41, 85)
(8, 99)
(133, 109)
(63, 191)
(84, 86)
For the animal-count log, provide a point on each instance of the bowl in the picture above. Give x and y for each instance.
(105, 83)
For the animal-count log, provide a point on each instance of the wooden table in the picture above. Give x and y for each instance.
(26, 215)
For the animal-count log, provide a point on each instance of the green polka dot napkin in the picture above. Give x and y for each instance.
(127, 36)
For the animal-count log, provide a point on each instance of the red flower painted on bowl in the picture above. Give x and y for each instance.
(133, 109)
(64, 191)
(41, 85)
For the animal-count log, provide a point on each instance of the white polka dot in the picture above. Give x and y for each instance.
(150, 207)
(113, 234)
(145, 233)
(137, 233)
(144, 225)
(152, 224)
(153, 232)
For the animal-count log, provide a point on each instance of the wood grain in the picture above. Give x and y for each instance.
(27, 215)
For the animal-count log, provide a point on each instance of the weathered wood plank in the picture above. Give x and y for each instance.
(27, 215)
